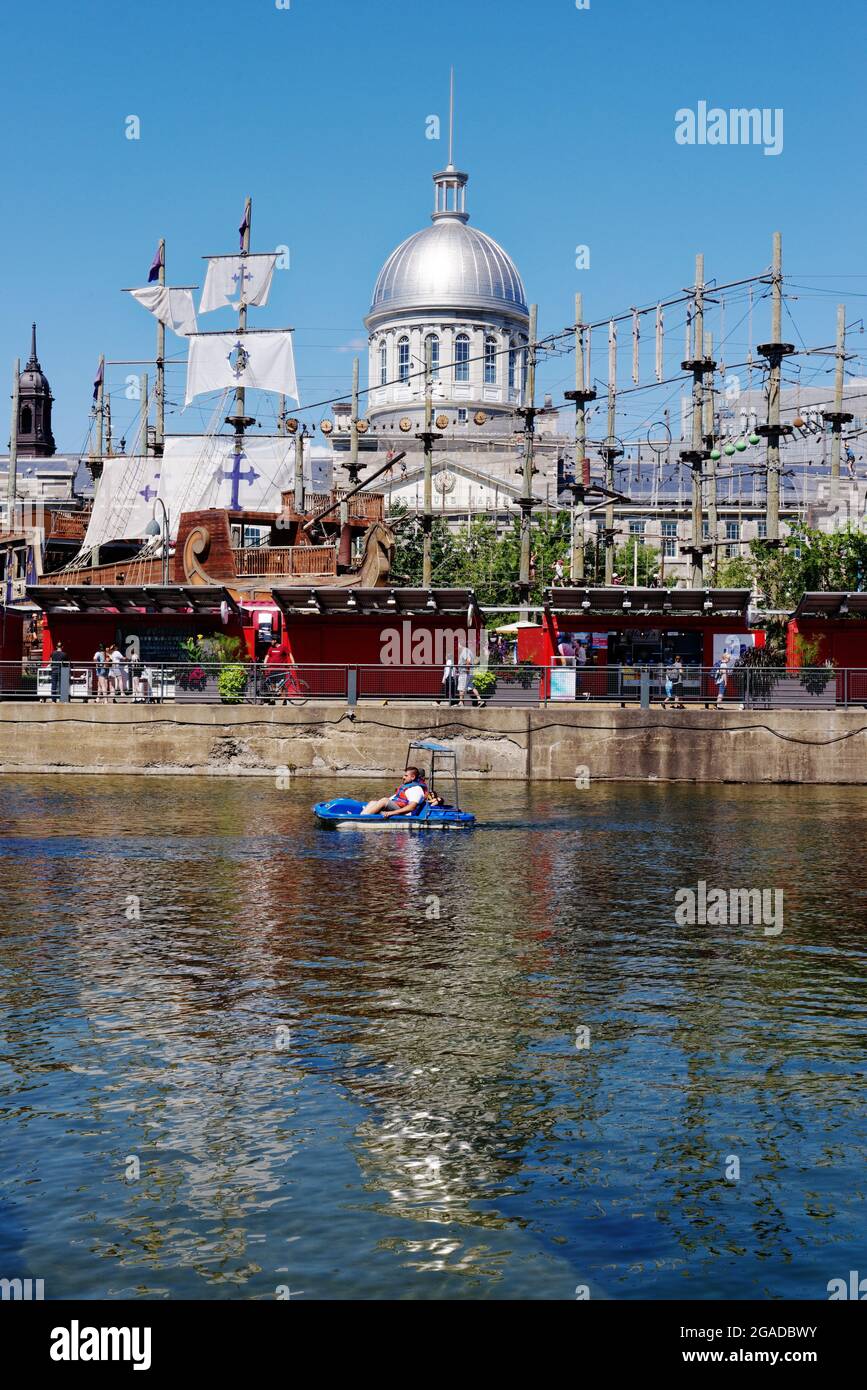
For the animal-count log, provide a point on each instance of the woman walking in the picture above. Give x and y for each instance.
(101, 670)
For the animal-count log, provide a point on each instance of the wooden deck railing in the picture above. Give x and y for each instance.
(287, 560)
(134, 571)
(68, 526)
(364, 506)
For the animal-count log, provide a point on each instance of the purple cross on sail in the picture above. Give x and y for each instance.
(147, 492)
(236, 476)
(156, 267)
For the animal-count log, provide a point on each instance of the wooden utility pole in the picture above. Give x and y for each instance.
(610, 452)
(525, 501)
(299, 471)
(773, 431)
(12, 476)
(838, 417)
(581, 395)
(344, 553)
(160, 434)
(709, 440)
(699, 365)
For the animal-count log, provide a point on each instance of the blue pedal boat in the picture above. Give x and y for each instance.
(344, 813)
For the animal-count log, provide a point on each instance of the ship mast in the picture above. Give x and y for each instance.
(239, 420)
(160, 434)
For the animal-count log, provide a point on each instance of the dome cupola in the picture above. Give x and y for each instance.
(448, 265)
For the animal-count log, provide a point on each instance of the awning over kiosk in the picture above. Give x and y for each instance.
(131, 598)
(664, 604)
(382, 602)
(831, 605)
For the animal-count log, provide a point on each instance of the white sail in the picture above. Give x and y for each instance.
(263, 360)
(237, 280)
(173, 307)
(124, 502)
(202, 471)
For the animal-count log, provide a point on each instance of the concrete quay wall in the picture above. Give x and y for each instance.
(322, 739)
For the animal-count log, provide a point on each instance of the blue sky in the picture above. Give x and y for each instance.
(565, 123)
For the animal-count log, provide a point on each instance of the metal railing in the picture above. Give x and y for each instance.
(146, 682)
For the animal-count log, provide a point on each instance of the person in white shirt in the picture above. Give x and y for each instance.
(407, 798)
(117, 669)
(101, 672)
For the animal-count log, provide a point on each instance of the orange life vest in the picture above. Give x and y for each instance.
(400, 795)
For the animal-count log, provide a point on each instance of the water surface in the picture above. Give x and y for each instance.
(346, 1064)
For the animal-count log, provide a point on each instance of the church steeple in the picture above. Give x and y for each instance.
(35, 439)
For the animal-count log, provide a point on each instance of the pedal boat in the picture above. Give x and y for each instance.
(343, 813)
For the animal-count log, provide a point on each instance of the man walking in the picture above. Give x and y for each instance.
(59, 661)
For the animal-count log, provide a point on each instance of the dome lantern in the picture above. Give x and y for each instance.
(450, 196)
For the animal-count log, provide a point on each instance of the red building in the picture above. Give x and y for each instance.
(398, 638)
(635, 628)
(828, 627)
(12, 623)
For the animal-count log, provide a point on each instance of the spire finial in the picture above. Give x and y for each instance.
(33, 357)
(451, 116)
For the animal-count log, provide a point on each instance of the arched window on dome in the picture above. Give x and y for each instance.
(462, 357)
(433, 341)
(26, 420)
(403, 359)
(383, 363)
(490, 361)
(513, 358)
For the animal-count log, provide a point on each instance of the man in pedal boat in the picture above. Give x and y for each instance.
(405, 801)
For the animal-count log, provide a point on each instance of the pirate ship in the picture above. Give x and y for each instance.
(233, 531)
(229, 508)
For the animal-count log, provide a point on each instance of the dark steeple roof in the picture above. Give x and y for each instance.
(34, 408)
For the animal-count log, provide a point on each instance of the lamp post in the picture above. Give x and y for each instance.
(154, 528)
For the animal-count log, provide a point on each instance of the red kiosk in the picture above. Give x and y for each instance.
(624, 630)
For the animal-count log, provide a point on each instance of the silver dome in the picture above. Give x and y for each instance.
(449, 265)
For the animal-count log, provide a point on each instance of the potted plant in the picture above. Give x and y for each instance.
(813, 676)
(485, 683)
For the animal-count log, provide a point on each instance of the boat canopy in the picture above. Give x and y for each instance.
(443, 760)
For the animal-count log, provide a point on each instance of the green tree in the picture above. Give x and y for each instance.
(648, 562)
(809, 559)
(409, 549)
(736, 573)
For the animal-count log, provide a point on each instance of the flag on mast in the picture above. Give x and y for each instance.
(245, 224)
(237, 280)
(98, 379)
(156, 266)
